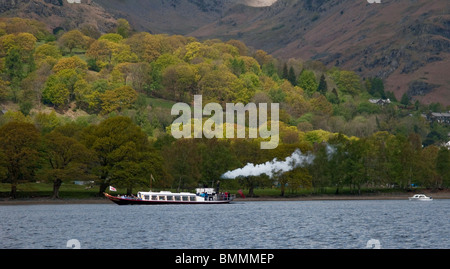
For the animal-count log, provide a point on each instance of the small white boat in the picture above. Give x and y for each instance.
(420, 197)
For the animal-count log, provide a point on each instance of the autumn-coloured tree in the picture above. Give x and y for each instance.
(180, 81)
(217, 86)
(118, 99)
(73, 39)
(73, 63)
(146, 46)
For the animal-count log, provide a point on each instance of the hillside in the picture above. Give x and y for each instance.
(58, 14)
(406, 43)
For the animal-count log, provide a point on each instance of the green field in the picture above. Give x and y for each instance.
(33, 190)
(73, 191)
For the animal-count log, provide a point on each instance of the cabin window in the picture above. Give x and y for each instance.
(185, 198)
(154, 197)
(170, 198)
(192, 198)
(162, 198)
(177, 198)
(146, 197)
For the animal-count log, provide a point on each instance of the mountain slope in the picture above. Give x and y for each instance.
(405, 42)
(59, 13)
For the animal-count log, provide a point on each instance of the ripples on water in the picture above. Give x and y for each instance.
(249, 225)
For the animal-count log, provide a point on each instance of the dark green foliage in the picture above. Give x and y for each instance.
(323, 87)
(291, 76)
(375, 87)
(405, 99)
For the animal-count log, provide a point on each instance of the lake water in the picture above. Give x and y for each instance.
(396, 224)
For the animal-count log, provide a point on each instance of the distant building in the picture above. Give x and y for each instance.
(439, 117)
(380, 101)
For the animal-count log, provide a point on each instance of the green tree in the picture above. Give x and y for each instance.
(403, 158)
(123, 28)
(73, 39)
(183, 161)
(375, 87)
(60, 87)
(46, 122)
(319, 168)
(426, 168)
(377, 158)
(356, 163)
(405, 99)
(14, 66)
(336, 155)
(19, 152)
(68, 159)
(237, 66)
(140, 169)
(299, 178)
(217, 159)
(45, 51)
(3, 90)
(307, 81)
(348, 82)
(292, 78)
(248, 151)
(285, 72)
(117, 143)
(323, 87)
(443, 165)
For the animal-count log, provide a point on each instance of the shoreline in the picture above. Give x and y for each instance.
(103, 200)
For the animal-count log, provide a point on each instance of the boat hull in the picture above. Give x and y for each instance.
(132, 201)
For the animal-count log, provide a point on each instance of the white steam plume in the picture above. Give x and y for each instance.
(297, 159)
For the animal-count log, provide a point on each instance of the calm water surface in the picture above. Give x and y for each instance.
(281, 225)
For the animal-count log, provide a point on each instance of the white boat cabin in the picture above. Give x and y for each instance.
(202, 194)
(167, 196)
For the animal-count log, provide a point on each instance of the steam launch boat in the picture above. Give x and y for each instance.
(202, 196)
(420, 197)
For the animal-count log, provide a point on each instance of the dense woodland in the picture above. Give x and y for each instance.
(85, 105)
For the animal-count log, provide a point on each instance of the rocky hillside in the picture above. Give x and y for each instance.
(59, 14)
(405, 42)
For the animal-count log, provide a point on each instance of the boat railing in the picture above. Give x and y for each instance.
(225, 196)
